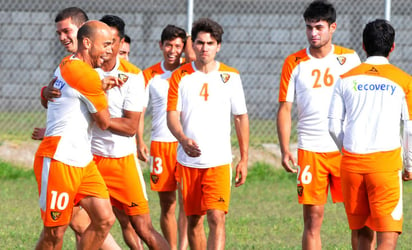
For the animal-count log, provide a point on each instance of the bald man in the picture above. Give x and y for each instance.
(65, 171)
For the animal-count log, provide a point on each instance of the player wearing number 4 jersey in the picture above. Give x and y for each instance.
(308, 77)
(201, 98)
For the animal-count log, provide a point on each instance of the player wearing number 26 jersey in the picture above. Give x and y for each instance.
(309, 81)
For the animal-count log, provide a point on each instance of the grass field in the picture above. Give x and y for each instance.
(264, 213)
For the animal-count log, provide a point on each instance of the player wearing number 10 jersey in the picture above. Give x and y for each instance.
(308, 77)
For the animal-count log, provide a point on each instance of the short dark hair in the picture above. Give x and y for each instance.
(171, 32)
(115, 22)
(320, 10)
(209, 26)
(86, 30)
(127, 39)
(378, 38)
(77, 15)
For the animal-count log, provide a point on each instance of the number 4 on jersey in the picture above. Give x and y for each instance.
(204, 91)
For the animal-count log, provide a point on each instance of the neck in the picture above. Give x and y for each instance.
(320, 52)
(171, 67)
(205, 67)
(83, 57)
(109, 65)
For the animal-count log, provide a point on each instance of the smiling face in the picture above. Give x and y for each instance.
(319, 34)
(67, 33)
(124, 50)
(172, 51)
(101, 47)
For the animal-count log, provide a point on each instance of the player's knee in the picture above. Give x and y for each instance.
(216, 218)
(105, 223)
(54, 234)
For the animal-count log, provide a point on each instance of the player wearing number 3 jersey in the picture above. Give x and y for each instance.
(308, 77)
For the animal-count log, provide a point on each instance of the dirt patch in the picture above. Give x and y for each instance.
(22, 153)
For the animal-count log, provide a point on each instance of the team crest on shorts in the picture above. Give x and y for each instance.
(123, 77)
(225, 77)
(55, 215)
(300, 190)
(154, 178)
(341, 59)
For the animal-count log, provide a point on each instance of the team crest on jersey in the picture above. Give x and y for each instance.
(225, 77)
(300, 190)
(123, 77)
(55, 215)
(341, 59)
(154, 178)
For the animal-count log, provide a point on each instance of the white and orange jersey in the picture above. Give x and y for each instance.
(157, 85)
(68, 128)
(205, 102)
(310, 81)
(372, 99)
(130, 97)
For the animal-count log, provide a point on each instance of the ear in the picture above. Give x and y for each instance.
(332, 27)
(87, 43)
(160, 45)
(218, 47)
(393, 47)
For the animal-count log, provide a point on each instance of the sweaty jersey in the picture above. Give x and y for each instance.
(128, 97)
(205, 102)
(68, 128)
(157, 85)
(309, 81)
(372, 99)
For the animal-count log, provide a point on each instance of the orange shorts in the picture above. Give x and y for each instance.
(316, 173)
(205, 189)
(373, 200)
(125, 182)
(62, 186)
(163, 174)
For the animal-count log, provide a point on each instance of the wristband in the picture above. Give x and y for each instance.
(41, 93)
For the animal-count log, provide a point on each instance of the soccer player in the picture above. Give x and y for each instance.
(64, 167)
(309, 76)
(201, 98)
(372, 99)
(115, 149)
(68, 22)
(124, 50)
(163, 168)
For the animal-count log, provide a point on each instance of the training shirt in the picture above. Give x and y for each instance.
(372, 99)
(157, 85)
(68, 128)
(205, 102)
(309, 81)
(128, 97)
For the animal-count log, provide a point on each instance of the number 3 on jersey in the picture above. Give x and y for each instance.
(327, 78)
(156, 165)
(204, 91)
(306, 177)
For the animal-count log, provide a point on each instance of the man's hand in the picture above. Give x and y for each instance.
(287, 161)
(406, 176)
(110, 82)
(190, 147)
(50, 92)
(241, 173)
(38, 133)
(142, 152)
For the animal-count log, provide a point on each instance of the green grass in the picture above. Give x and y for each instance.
(264, 213)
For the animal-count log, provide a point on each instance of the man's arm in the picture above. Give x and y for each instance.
(189, 146)
(49, 92)
(242, 132)
(102, 118)
(284, 126)
(407, 149)
(126, 125)
(336, 131)
(142, 151)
